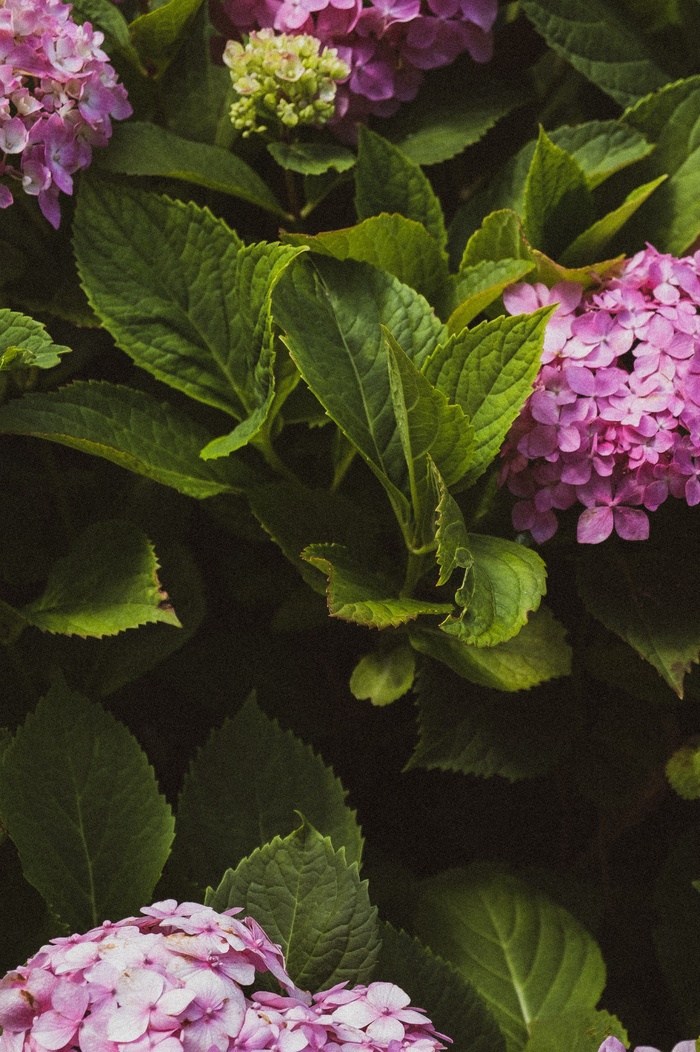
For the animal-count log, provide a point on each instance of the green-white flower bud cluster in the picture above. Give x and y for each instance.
(282, 78)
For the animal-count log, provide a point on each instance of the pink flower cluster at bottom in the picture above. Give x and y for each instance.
(613, 1044)
(172, 981)
(613, 423)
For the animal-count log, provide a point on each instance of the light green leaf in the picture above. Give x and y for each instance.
(387, 181)
(312, 158)
(400, 246)
(503, 585)
(484, 732)
(453, 1004)
(384, 675)
(527, 957)
(360, 595)
(489, 371)
(683, 771)
(130, 428)
(592, 242)
(557, 203)
(158, 34)
(583, 1030)
(601, 44)
(500, 237)
(311, 901)
(81, 804)
(243, 788)
(139, 148)
(480, 284)
(538, 653)
(25, 343)
(107, 584)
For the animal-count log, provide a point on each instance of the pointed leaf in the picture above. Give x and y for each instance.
(387, 181)
(480, 284)
(25, 342)
(384, 675)
(450, 533)
(312, 158)
(158, 34)
(82, 806)
(557, 203)
(500, 236)
(130, 428)
(489, 371)
(592, 242)
(360, 595)
(539, 652)
(107, 584)
(312, 902)
(243, 788)
(527, 957)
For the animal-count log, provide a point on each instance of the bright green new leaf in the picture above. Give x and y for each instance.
(384, 675)
(158, 34)
(478, 285)
(471, 730)
(583, 1030)
(592, 242)
(25, 343)
(503, 585)
(361, 595)
(557, 203)
(81, 804)
(600, 43)
(312, 158)
(130, 428)
(311, 901)
(489, 371)
(139, 148)
(500, 237)
(538, 653)
(387, 181)
(108, 583)
(527, 956)
(683, 771)
(455, 1007)
(450, 533)
(243, 788)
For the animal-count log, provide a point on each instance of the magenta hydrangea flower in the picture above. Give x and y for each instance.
(613, 422)
(172, 981)
(58, 94)
(387, 44)
(613, 1044)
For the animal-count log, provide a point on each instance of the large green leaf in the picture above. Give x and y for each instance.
(538, 653)
(130, 428)
(139, 148)
(243, 788)
(557, 203)
(311, 901)
(454, 1006)
(601, 43)
(25, 342)
(583, 1030)
(107, 583)
(527, 957)
(387, 181)
(591, 243)
(158, 34)
(477, 286)
(81, 803)
(489, 371)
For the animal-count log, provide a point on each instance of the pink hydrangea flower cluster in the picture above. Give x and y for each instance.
(387, 44)
(58, 92)
(172, 981)
(613, 423)
(613, 1044)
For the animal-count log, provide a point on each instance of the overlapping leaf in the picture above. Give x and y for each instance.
(25, 342)
(557, 203)
(157, 34)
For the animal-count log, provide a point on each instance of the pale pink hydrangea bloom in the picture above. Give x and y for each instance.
(613, 1044)
(172, 981)
(58, 94)
(613, 422)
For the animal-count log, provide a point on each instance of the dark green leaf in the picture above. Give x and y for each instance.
(158, 34)
(683, 771)
(583, 1030)
(557, 203)
(25, 342)
(384, 675)
(592, 242)
(312, 158)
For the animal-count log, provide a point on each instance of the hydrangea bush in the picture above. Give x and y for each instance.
(349, 603)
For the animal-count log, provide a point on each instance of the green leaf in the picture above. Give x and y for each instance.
(645, 595)
(601, 44)
(243, 788)
(400, 246)
(130, 428)
(486, 732)
(361, 595)
(602, 148)
(450, 534)
(82, 806)
(592, 242)
(25, 343)
(158, 35)
(311, 901)
(480, 284)
(312, 158)
(139, 148)
(489, 371)
(527, 957)
(107, 584)
(583, 1030)
(500, 237)
(387, 181)
(683, 771)
(503, 585)
(384, 675)
(557, 203)
(453, 1005)
(539, 652)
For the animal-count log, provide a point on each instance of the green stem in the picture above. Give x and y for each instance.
(263, 443)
